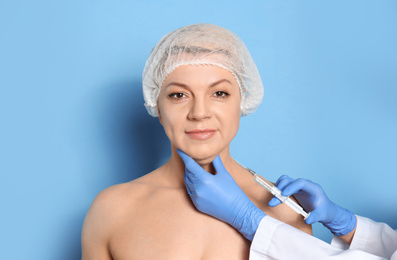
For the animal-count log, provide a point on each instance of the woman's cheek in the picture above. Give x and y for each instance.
(172, 128)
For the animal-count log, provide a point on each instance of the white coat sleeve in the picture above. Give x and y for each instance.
(277, 240)
(372, 237)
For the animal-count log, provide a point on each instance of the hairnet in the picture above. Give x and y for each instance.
(202, 44)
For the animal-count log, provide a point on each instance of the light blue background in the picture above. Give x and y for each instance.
(73, 122)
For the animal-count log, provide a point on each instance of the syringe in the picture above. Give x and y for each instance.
(277, 193)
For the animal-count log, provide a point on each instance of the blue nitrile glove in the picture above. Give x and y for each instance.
(313, 199)
(219, 196)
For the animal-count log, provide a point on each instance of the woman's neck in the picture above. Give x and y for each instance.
(175, 167)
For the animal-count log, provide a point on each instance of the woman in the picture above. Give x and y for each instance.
(198, 80)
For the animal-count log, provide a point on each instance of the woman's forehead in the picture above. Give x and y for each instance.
(200, 75)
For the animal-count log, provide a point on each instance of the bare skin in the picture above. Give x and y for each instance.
(348, 238)
(153, 217)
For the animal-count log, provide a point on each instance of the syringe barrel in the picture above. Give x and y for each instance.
(277, 193)
(298, 209)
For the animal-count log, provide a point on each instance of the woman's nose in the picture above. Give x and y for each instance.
(200, 109)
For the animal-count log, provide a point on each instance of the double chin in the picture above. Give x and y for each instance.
(206, 164)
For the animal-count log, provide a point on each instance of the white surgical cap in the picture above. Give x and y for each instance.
(202, 44)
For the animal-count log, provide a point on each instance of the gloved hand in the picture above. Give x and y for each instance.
(313, 199)
(219, 196)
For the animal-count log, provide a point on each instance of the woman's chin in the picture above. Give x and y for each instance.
(202, 158)
(206, 164)
(204, 161)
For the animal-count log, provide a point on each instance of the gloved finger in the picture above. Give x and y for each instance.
(186, 178)
(283, 181)
(194, 168)
(218, 165)
(189, 185)
(313, 217)
(274, 202)
(295, 187)
(196, 181)
(220, 169)
(282, 177)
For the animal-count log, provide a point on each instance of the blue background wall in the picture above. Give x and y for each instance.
(73, 122)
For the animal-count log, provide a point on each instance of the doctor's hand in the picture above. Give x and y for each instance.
(219, 196)
(313, 199)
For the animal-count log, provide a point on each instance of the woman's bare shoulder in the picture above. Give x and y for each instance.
(114, 198)
(109, 208)
(115, 202)
(111, 202)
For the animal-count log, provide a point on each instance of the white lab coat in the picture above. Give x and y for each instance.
(277, 240)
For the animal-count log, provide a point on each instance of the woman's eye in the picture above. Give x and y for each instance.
(177, 95)
(221, 94)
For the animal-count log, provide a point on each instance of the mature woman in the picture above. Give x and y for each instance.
(199, 80)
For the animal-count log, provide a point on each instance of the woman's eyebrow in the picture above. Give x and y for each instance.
(220, 81)
(176, 84)
(185, 86)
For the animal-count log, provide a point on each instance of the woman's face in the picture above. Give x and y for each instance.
(199, 108)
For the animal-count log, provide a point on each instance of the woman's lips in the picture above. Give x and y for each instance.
(201, 134)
